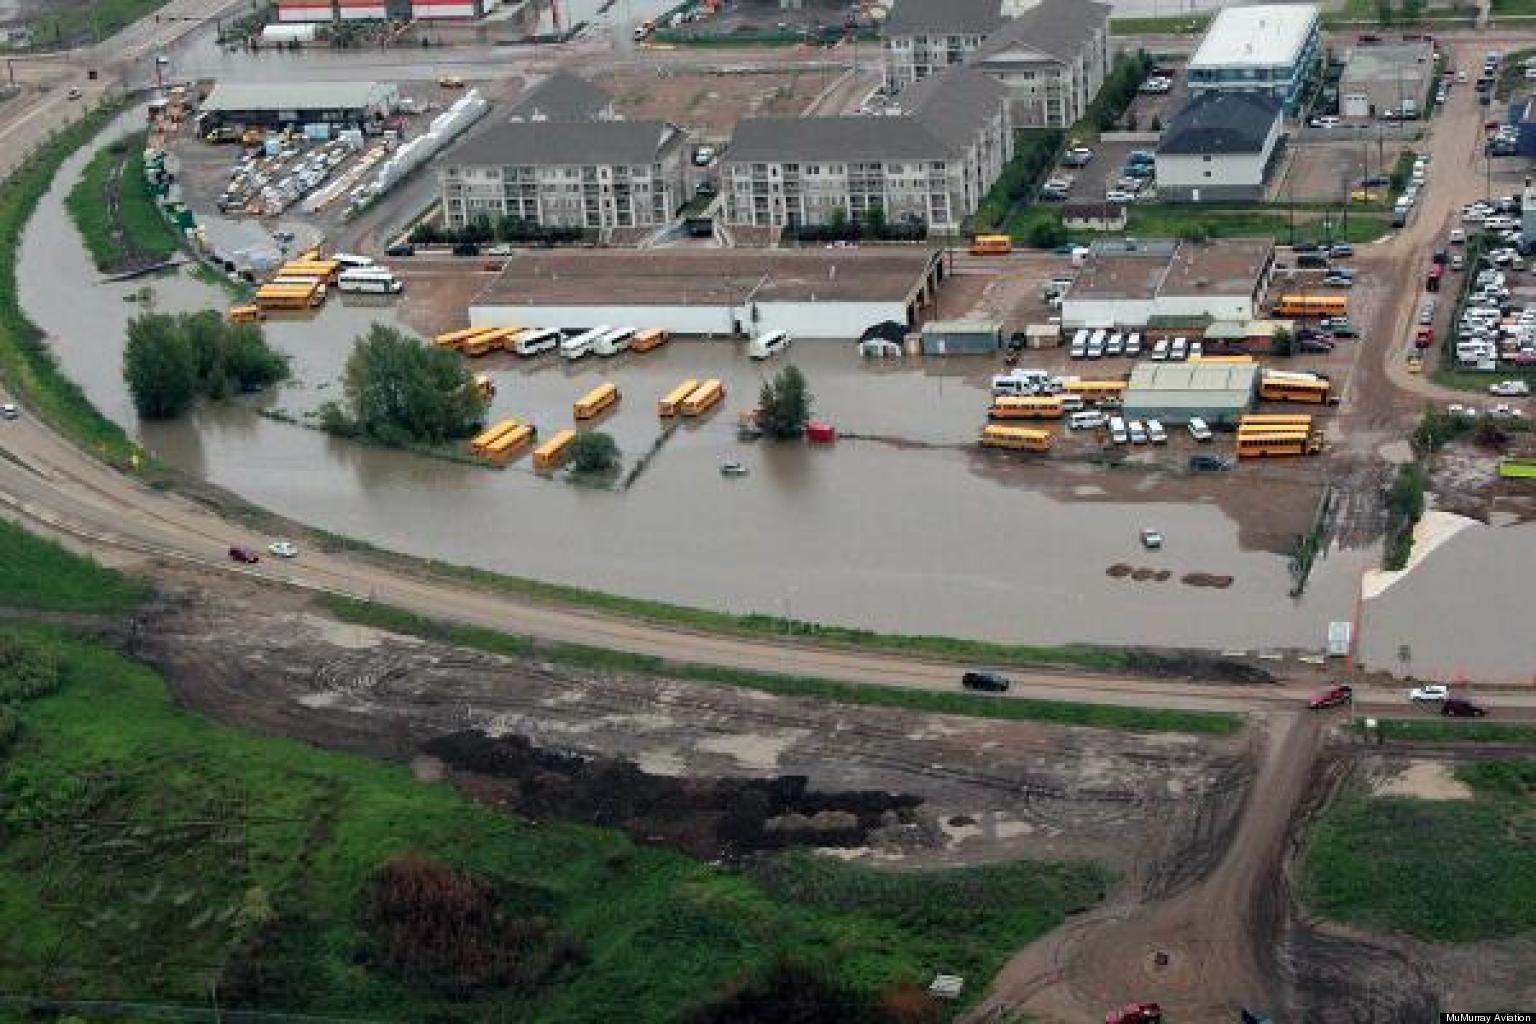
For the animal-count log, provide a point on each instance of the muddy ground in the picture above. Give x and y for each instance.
(709, 105)
(1465, 480)
(961, 790)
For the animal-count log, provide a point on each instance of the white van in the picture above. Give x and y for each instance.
(1155, 432)
(1090, 420)
(1180, 350)
(1016, 383)
(1160, 350)
(1199, 430)
(581, 344)
(765, 345)
(539, 339)
(614, 342)
(378, 280)
(1117, 431)
(351, 262)
(1133, 345)
(1070, 403)
(1137, 431)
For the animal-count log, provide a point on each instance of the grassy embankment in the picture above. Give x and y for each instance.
(1166, 25)
(198, 855)
(1103, 716)
(1441, 870)
(116, 215)
(39, 575)
(26, 365)
(1441, 730)
(83, 23)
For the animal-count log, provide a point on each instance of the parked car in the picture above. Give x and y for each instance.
(1458, 708)
(1509, 389)
(1430, 694)
(466, 249)
(402, 249)
(1135, 1013)
(283, 549)
(1332, 697)
(1199, 430)
(243, 555)
(9, 411)
(1209, 464)
(990, 682)
(1077, 156)
(1151, 539)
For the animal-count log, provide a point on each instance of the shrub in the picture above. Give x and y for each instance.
(594, 452)
(398, 390)
(27, 671)
(170, 360)
(785, 404)
(790, 992)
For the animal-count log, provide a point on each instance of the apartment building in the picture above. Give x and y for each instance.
(1266, 48)
(923, 37)
(932, 161)
(595, 174)
(1052, 58)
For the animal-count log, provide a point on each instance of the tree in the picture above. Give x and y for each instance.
(1157, 123)
(594, 452)
(785, 404)
(1384, 11)
(1282, 343)
(1047, 232)
(1194, 231)
(399, 390)
(160, 367)
(876, 222)
(1412, 11)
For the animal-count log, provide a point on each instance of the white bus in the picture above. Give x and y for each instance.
(535, 340)
(581, 344)
(377, 280)
(614, 342)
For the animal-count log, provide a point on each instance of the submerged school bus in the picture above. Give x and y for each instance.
(671, 403)
(651, 337)
(596, 400)
(456, 339)
(553, 452)
(493, 433)
(1026, 409)
(1019, 438)
(290, 296)
(704, 398)
(509, 443)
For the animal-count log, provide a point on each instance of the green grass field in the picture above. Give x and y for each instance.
(1168, 25)
(957, 703)
(1467, 380)
(36, 573)
(1441, 870)
(193, 846)
(1440, 730)
(75, 24)
(137, 231)
(1172, 221)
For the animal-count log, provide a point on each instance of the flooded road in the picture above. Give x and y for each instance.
(886, 536)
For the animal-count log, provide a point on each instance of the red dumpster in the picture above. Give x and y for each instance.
(820, 433)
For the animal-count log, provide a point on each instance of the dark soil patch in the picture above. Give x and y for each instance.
(1119, 570)
(1205, 579)
(709, 818)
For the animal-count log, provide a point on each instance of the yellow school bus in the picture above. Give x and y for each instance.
(1096, 390)
(1238, 360)
(596, 400)
(1278, 442)
(1314, 391)
(704, 398)
(651, 337)
(991, 245)
(492, 433)
(326, 270)
(1025, 409)
(510, 443)
(245, 314)
(553, 452)
(1021, 438)
(290, 296)
(672, 402)
(1262, 421)
(1311, 306)
(458, 339)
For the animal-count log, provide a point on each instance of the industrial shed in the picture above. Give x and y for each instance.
(279, 104)
(1176, 392)
(1131, 284)
(811, 293)
(962, 337)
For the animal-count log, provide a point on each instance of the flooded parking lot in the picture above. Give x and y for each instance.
(916, 532)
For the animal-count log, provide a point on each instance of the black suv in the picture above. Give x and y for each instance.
(1458, 708)
(992, 682)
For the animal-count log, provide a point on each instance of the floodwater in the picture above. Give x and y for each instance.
(933, 538)
(1461, 613)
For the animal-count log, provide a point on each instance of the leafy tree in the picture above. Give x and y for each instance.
(1047, 232)
(399, 390)
(1412, 11)
(1384, 11)
(785, 404)
(1194, 231)
(1282, 343)
(160, 368)
(594, 452)
(875, 221)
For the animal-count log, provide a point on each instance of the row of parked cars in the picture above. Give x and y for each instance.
(1104, 343)
(1434, 695)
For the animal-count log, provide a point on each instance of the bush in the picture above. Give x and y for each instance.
(27, 670)
(785, 404)
(171, 360)
(1437, 429)
(789, 992)
(1405, 506)
(1034, 151)
(1047, 233)
(398, 390)
(594, 452)
(1119, 89)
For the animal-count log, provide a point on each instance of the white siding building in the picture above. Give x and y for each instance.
(1137, 284)
(933, 163)
(1266, 48)
(1052, 58)
(1219, 148)
(923, 37)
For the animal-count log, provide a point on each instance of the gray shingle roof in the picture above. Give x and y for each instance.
(564, 143)
(943, 114)
(1056, 28)
(943, 17)
(562, 97)
(1221, 122)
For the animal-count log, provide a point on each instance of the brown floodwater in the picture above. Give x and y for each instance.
(925, 537)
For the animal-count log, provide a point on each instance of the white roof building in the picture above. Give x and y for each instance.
(1262, 36)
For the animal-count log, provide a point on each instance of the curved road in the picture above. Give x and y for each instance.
(49, 485)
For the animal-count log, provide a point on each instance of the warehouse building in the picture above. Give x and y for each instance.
(1178, 392)
(962, 337)
(1132, 284)
(1382, 77)
(284, 104)
(811, 293)
(1266, 48)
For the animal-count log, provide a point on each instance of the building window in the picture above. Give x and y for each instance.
(1207, 174)
(1206, 158)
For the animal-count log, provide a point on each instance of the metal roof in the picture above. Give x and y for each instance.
(1261, 36)
(1199, 382)
(233, 96)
